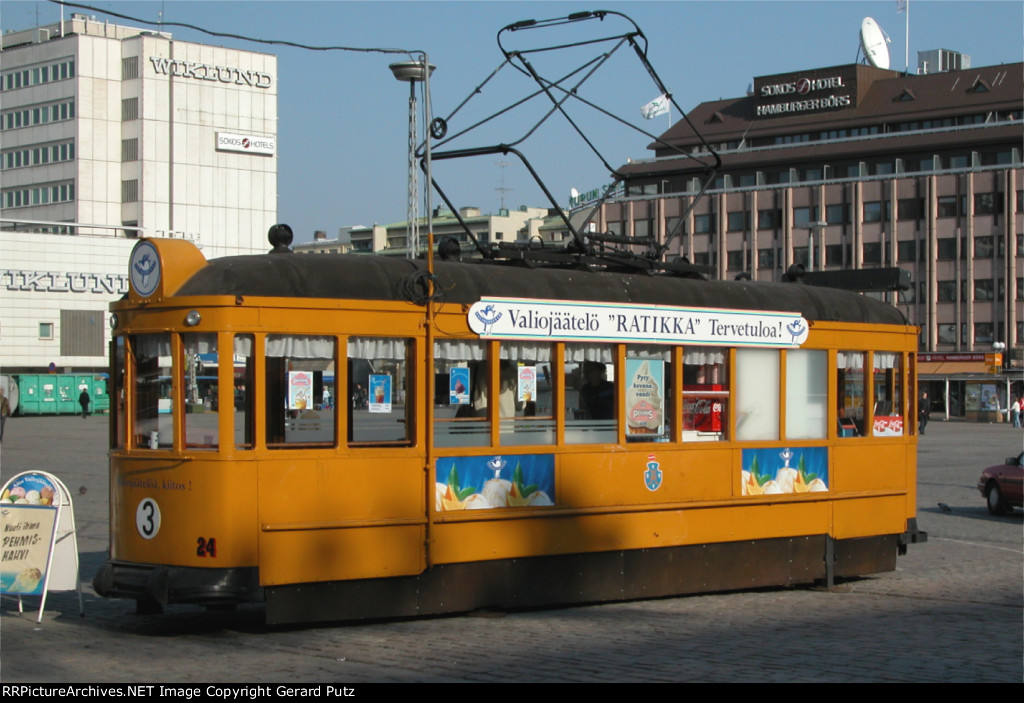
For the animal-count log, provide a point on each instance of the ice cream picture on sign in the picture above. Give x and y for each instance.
(644, 411)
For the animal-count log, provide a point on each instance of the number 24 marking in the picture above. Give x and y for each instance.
(206, 547)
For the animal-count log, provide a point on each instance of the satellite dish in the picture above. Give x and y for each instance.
(873, 41)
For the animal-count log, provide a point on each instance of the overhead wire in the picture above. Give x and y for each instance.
(242, 37)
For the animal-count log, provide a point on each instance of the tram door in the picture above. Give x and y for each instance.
(340, 507)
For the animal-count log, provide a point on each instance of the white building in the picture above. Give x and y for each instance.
(507, 226)
(108, 132)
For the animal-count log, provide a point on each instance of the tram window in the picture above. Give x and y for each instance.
(383, 412)
(806, 394)
(295, 368)
(524, 397)
(850, 384)
(460, 394)
(887, 419)
(757, 394)
(244, 391)
(648, 388)
(200, 385)
(705, 394)
(154, 419)
(117, 393)
(591, 397)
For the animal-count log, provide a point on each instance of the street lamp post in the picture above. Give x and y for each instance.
(811, 228)
(412, 72)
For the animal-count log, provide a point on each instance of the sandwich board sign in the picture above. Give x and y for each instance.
(39, 550)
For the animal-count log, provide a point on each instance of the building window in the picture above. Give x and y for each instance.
(129, 109)
(983, 247)
(951, 205)
(736, 260)
(834, 254)
(703, 224)
(988, 203)
(23, 78)
(25, 117)
(40, 195)
(947, 249)
(129, 68)
(947, 291)
(739, 221)
(873, 211)
(129, 150)
(766, 258)
(983, 289)
(838, 214)
(45, 330)
(947, 334)
(769, 219)
(872, 252)
(130, 191)
(803, 215)
(983, 333)
(642, 228)
(906, 250)
(909, 209)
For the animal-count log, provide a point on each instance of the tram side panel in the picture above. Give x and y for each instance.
(339, 518)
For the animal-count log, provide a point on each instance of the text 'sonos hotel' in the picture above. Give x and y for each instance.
(860, 167)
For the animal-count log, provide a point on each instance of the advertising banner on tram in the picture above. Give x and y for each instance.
(514, 318)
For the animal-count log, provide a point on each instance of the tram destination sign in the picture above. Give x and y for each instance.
(520, 318)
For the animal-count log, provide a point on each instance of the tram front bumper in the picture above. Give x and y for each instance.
(167, 585)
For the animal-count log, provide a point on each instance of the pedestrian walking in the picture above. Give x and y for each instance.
(83, 400)
(923, 412)
(1015, 412)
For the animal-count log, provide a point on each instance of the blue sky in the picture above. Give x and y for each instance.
(343, 117)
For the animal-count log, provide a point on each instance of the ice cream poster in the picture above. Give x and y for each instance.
(645, 384)
(28, 508)
(772, 471)
(458, 388)
(527, 391)
(300, 390)
(488, 482)
(380, 393)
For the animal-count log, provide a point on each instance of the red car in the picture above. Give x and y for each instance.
(1002, 485)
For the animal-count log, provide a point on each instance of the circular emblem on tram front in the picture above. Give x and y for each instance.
(144, 269)
(147, 518)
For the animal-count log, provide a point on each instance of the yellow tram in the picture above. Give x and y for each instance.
(386, 437)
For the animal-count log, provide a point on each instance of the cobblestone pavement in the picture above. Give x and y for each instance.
(951, 612)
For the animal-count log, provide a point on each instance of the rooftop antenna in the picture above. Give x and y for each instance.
(502, 189)
(874, 43)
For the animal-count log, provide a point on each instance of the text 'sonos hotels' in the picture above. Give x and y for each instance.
(511, 318)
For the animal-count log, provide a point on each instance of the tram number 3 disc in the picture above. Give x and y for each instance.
(147, 518)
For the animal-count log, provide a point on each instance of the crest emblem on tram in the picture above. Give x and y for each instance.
(144, 268)
(653, 474)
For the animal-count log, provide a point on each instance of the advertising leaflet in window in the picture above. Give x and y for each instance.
(380, 393)
(458, 391)
(645, 384)
(514, 318)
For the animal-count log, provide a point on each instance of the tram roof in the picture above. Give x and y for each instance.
(369, 277)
